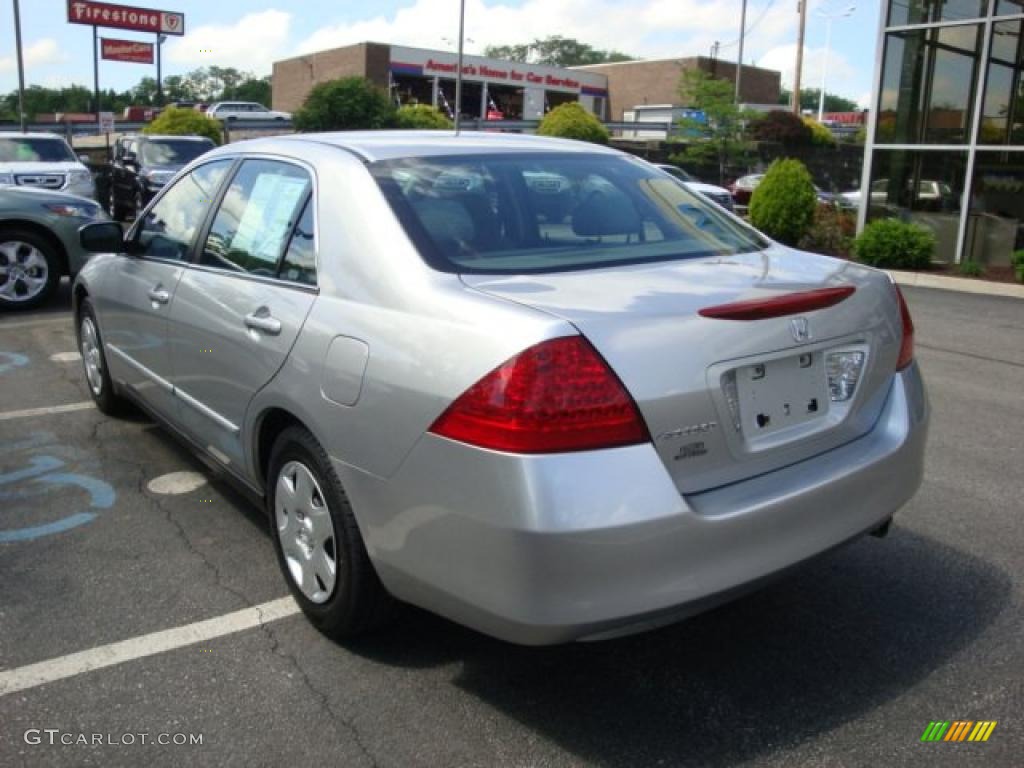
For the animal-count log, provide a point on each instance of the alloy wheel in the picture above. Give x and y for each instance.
(24, 271)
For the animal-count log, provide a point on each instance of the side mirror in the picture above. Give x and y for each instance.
(102, 237)
(129, 158)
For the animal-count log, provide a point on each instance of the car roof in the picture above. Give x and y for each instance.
(161, 136)
(372, 146)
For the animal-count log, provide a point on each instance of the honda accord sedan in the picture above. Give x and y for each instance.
(546, 426)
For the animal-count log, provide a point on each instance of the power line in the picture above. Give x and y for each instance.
(753, 24)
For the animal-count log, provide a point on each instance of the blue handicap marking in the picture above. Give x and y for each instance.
(42, 475)
(11, 360)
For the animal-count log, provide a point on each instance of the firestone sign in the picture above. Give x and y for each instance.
(125, 17)
(126, 50)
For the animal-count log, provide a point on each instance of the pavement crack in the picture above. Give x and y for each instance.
(325, 702)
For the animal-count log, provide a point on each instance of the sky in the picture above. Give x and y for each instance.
(251, 34)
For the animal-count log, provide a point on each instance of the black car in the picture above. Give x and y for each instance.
(141, 165)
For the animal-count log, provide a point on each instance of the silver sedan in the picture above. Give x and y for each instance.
(547, 422)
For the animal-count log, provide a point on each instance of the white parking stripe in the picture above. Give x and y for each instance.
(29, 412)
(63, 319)
(43, 672)
(66, 357)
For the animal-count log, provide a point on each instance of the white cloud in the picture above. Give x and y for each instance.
(842, 77)
(648, 28)
(252, 43)
(41, 53)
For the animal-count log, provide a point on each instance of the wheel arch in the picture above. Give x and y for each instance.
(269, 424)
(42, 231)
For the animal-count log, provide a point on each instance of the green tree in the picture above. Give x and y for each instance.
(572, 121)
(345, 104)
(821, 136)
(421, 116)
(782, 127)
(184, 121)
(555, 51)
(252, 89)
(809, 100)
(783, 204)
(720, 139)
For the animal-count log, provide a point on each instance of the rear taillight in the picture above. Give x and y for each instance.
(907, 343)
(559, 395)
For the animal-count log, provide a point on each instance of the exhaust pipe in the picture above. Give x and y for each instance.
(883, 530)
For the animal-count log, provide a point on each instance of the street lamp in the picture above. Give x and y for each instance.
(829, 18)
(458, 73)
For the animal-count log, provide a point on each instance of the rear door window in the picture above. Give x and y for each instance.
(256, 217)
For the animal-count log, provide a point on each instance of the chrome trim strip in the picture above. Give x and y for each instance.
(207, 411)
(159, 380)
(186, 398)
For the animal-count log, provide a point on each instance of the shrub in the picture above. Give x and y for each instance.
(1018, 265)
(831, 232)
(970, 269)
(783, 127)
(421, 116)
(350, 103)
(572, 121)
(183, 121)
(820, 135)
(783, 204)
(895, 244)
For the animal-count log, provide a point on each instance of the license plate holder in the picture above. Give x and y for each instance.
(778, 394)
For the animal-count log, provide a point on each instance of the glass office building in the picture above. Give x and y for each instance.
(945, 144)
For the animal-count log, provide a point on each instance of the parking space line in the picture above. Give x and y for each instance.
(65, 357)
(29, 412)
(36, 323)
(40, 673)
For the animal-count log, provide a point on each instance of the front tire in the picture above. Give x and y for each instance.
(94, 362)
(317, 540)
(30, 268)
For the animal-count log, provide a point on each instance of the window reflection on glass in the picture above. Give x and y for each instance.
(1003, 105)
(1009, 7)
(926, 11)
(928, 81)
(923, 187)
(996, 211)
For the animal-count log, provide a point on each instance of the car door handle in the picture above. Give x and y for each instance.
(159, 295)
(263, 321)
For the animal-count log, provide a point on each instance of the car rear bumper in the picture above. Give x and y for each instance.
(548, 549)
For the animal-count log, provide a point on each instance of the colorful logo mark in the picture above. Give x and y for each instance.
(958, 730)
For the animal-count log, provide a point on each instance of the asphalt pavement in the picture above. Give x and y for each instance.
(844, 662)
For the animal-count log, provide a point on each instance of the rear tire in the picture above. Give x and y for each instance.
(318, 544)
(94, 362)
(30, 268)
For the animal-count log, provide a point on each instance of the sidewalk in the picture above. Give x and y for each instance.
(963, 284)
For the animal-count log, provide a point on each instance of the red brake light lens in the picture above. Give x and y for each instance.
(779, 306)
(907, 343)
(559, 395)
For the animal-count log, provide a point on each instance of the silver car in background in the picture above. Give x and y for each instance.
(43, 161)
(549, 426)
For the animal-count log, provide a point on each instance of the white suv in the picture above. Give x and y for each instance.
(244, 110)
(43, 161)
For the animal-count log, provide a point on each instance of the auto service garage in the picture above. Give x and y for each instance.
(495, 88)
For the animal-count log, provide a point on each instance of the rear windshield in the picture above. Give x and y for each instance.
(20, 150)
(520, 213)
(171, 152)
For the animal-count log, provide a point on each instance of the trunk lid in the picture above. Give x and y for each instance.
(703, 384)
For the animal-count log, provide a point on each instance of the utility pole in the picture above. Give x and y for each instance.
(159, 77)
(21, 67)
(96, 73)
(739, 63)
(458, 74)
(799, 56)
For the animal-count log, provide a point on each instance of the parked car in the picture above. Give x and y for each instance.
(43, 161)
(39, 242)
(718, 195)
(140, 165)
(244, 110)
(936, 195)
(743, 189)
(544, 429)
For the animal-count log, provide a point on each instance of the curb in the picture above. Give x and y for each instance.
(961, 284)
